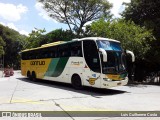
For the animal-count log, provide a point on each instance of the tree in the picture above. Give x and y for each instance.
(59, 35)
(12, 43)
(76, 13)
(37, 38)
(146, 13)
(34, 38)
(2, 44)
(132, 36)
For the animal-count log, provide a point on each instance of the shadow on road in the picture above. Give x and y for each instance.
(95, 92)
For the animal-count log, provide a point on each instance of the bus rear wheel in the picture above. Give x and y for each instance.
(76, 82)
(29, 75)
(34, 77)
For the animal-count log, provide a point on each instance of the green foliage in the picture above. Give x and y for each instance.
(76, 12)
(37, 38)
(12, 44)
(146, 13)
(2, 44)
(34, 39)
(132, 37)
(60, 35)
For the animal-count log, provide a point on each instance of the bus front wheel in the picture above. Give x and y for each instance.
(76, 82)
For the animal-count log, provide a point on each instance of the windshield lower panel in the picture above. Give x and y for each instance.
(115, 63)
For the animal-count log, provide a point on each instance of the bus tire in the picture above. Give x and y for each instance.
(29, 75)
(76, 82)
(34, 76)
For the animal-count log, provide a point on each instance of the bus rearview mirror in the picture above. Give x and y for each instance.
(104, 54)
(132, 55)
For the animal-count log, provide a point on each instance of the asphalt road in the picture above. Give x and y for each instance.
(19, 94)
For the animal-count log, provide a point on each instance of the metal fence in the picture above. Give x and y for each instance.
(153, 77)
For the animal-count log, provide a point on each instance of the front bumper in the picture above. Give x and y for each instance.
(112, 83)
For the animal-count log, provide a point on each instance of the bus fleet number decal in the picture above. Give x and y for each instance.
(37, 63)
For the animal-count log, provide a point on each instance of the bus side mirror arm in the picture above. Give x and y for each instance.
(104, 54)
(132, 54)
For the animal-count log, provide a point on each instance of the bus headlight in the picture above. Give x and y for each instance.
(107, 79)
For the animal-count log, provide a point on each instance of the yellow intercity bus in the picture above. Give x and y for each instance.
(93, 61)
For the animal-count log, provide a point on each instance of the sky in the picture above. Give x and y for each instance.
(25, 15)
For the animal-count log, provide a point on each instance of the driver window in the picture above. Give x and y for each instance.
(91, 55)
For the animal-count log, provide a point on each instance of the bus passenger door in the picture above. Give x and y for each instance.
(91, 70)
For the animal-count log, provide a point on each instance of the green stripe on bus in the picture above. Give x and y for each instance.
(60, 66)
(52, 67)
(56, 67)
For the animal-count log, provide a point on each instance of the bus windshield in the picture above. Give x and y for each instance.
(109, 45)
(115, 57)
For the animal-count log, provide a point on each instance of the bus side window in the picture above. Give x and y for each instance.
(63, 51)
(53, 52)
(76, 49)
(91, 55)
(34, 54)
(41, 54)
(46, 53)
(26, 56)
(38, 54)
(31, 55)
(23, 54)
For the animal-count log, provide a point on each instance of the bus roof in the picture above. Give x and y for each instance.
(63, 42)
(46, 45)
(98, 38)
